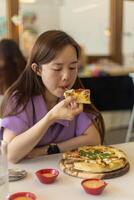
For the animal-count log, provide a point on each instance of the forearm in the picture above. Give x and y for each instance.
(92, 138)
(22, 144)
(82, 140)
(37, 151)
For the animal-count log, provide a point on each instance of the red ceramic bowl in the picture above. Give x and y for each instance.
(93, 186)
(47, 175)
(22, 195)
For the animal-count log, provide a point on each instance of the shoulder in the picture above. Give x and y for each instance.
(84, 115)
(22, 118)
(13, 102)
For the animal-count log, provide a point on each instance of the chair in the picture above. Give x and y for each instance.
(131, 121)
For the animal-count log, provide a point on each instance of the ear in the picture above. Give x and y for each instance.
(36, 69)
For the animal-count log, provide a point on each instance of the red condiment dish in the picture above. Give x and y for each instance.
(93, 186)
(47, 175)
(22, 196)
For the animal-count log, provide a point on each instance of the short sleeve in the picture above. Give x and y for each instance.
(84, 121)
(17, 123)
(14, 123)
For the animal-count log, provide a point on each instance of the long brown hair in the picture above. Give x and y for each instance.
(12, 63)
(30, 84)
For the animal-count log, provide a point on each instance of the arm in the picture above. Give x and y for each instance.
(21, 145)
(90, 137)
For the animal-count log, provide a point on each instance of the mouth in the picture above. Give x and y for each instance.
(62, 89)
(66, 87)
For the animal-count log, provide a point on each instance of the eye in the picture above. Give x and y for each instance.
(73, 66)
(56, 69)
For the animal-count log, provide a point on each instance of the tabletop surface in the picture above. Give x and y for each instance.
(67, 187)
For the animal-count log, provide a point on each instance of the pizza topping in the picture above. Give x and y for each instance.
(81, 95)
(96, 154)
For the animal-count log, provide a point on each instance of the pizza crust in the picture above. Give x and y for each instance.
(86, 175)
(97, 168)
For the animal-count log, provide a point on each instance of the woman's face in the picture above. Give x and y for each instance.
(60, 74)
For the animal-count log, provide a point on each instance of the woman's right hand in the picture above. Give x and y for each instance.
(67, 109)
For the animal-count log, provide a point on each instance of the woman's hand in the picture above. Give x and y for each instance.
(36, 152)
(67, 109)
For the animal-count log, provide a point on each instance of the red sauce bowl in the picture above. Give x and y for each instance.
(93, 186)
(47, 175)
(26, 195)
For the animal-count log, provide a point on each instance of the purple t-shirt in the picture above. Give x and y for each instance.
(60, 131)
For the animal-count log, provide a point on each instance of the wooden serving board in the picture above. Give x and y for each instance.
(117, 173)
(84, 174)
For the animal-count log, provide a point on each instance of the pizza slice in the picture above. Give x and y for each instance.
(81, 95)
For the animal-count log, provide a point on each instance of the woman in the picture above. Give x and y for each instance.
(36, 120)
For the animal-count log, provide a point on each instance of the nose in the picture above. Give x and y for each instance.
(66, 75)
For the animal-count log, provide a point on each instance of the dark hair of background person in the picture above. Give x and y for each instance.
(29, 84)
(12, 63)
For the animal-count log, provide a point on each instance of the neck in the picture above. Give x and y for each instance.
(50, 99)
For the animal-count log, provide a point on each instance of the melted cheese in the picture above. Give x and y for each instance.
(81, 95)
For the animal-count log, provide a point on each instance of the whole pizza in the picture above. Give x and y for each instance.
(95, 161)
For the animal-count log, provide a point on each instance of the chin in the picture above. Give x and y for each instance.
(59, 94)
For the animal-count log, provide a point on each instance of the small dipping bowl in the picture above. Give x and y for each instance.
(22, 196)
(93, 186)
(47, 175)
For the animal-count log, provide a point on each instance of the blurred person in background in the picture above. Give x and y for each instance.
(12, 63)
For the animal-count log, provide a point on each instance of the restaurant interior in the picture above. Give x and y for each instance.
(105, 31)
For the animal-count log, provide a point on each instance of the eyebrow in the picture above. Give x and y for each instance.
(74, 62)
(59, 63)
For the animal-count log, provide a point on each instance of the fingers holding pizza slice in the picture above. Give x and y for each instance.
(81, 95)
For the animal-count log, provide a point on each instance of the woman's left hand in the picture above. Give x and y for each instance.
(39, 151)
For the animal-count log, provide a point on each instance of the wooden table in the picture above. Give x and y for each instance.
(69, 188)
